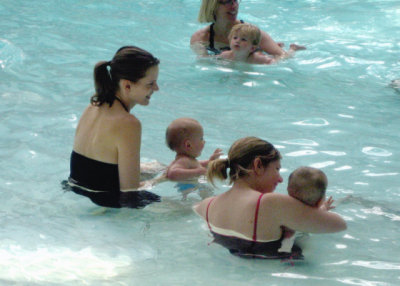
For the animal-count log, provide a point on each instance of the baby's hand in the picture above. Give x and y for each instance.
(295, 47)
(217, 153)
(327, 205)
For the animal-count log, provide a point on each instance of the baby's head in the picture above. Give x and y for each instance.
(185, 136)
(308, 185)
(248, 31)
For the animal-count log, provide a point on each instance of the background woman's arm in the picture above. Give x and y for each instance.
(268, 45)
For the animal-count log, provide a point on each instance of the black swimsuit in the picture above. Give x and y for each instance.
(253, 248)
(99, 181)
(211, 48)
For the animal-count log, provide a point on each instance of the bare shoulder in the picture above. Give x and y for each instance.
(201, 207)
(277, 201)
(201, 35)
(128, 123)
(127, 132)
(187, 162)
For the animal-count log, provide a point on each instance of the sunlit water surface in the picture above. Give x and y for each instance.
(330, 106)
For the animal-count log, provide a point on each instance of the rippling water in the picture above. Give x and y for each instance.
(330, 106)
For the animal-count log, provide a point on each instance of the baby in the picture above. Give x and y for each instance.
(308, 185)
(244, 40)
(185, 137)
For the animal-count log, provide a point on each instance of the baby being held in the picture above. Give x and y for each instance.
(244, 40)
(185, 137)
(308, 185)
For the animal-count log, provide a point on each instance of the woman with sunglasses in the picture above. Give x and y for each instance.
(223, 16)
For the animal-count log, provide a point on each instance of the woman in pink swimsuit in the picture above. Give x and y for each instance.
(248, 218)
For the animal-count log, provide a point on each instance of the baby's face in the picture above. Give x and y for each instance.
(197, 142)
(241, 43)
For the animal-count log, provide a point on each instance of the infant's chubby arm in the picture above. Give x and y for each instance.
(261, 59)
(185, 168)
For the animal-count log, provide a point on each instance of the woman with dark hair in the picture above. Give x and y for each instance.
(249, 218)
(105, 161)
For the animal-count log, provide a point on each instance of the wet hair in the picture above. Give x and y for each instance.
(308, 185)
(129, 62)
(207, 11)
(180, 130)
(240, 158)
(248, 30)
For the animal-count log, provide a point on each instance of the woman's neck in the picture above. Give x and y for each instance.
(222, 28)
(243, 184)
(123, 103)
(248, 182)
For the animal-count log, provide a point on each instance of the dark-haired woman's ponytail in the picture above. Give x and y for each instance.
(105, 87)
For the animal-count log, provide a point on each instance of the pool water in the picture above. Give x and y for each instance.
(331, 106)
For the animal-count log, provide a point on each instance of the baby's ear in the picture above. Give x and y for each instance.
(254, 48)
(187, 144)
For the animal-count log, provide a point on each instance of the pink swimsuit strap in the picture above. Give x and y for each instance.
(256, 218)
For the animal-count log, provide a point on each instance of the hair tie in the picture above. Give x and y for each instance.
(228, 163)
(108, 67)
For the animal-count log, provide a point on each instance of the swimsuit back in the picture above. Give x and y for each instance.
(252, 248)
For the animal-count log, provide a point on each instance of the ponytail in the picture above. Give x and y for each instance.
(240, 157)
(217, 168)
(104, 86)
(129, 62)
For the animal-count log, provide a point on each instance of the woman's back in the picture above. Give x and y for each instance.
(249, 218)
(244, 213)
(98, 132)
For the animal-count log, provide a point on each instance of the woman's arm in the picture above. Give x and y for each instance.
(292, 213)
(128, 145)
(198, 41)
(268, 45)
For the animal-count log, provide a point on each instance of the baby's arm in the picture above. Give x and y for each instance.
(181, 174)
(217, 153)
(261, 59)
(185, 169)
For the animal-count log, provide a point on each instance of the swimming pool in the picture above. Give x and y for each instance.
(330, 107)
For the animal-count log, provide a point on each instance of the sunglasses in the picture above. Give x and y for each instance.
(229, 2)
